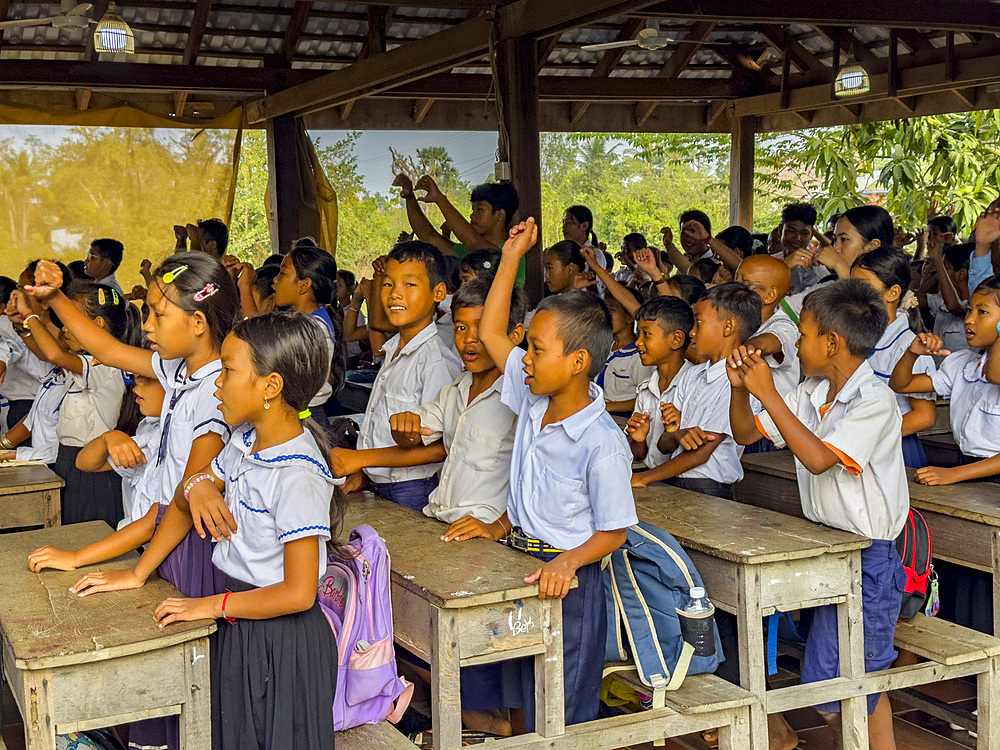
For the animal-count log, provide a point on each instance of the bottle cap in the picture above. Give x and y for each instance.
(697, 592)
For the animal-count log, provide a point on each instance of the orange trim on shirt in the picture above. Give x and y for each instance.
(760, 427)
(824, 409)
(849, 463)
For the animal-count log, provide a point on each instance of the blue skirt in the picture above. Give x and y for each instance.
(585, 627)
(913, 452)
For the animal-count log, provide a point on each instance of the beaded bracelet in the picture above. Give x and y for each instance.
(189, 485)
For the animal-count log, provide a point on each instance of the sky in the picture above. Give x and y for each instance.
(472, 152)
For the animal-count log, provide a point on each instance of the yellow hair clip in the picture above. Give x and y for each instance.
(100, 297)
(305, 414)
(171, 276)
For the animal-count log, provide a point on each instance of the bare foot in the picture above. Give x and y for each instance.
(780, 736)
(493, 722)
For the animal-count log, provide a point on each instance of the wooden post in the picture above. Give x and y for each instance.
(282, 182)
(741, 161)
(517, 60)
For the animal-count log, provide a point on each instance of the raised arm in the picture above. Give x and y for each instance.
(681, 262)
(619, 292)
(419, 223)
(109, 350)
(742, 421)
(496, 311)
(45, 344)
(903, 379)
(456, 219)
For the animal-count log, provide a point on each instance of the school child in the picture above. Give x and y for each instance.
(564, 267)
(194, 303)
(948, 304)
(21, 371)
(417, 366)
(92, 401)
(969, 378)
(273, 501)
(887, 271)
(845, 431)
(569, 501)
(665, 325)
(481, 264)
(769, 279)
(703, 455)
(624, 373)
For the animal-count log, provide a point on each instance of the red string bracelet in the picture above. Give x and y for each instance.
(230, 620)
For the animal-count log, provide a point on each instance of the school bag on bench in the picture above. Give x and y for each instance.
(354, 596)
(647, 582)
(915, 547)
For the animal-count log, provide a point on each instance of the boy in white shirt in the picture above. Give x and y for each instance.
(624, 372)
(703, 455)
(844, 427)
(417, 366)
(569, 502)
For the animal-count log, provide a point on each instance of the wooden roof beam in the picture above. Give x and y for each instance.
(782, 41)
(192, 46)
(677, 61)
(4, 12)
(609, 59)
(293, 31)
(914, 40)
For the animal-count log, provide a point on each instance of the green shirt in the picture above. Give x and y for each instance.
(460, 251)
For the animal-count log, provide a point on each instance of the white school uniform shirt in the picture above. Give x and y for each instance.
(866, 493)
(24, 370)
(414, 377)
(43, 417)
(569, 479)
(325, 390)
(190, 410)
(794, 302)
(92, 403)
(623, 374)
(702, 397)
(785, 373)
(893, 345)
(648, 401)
(975, 402)
(276, 495)
(479, 438)
(805, 278)
(948, 327)
(141, 484)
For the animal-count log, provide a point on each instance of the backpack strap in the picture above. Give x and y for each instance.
(788, 310)
(401, 703)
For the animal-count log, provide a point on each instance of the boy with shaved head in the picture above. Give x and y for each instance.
(770, 278)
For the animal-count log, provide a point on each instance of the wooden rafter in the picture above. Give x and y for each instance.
(850, 46)
(914, 40)
(379, 18)
(296, 25)
(4, 11)
(192, 46)
(545, 48)
(784, 43)
(677, 61)
(609, 59)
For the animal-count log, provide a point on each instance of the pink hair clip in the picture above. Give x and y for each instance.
(206, 291)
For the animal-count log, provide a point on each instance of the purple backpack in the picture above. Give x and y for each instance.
(354, 596)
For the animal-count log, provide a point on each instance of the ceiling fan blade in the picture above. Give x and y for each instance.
(610, 45)
(22, 22)
(80, 10)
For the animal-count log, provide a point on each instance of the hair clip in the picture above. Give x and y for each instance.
(114, 295)
(171, 276)
(100, 297)
(206, 291)
(305, 414)
(487, 265)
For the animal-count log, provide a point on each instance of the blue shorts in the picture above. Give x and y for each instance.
(882, 581)
(412, 494)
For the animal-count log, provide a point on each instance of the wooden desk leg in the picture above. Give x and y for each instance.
(996, 583)
(988, 705)
(750, 630)
(39, 728)
(736, 735)
(53, 513)
(851, 643)
(550, 702)
(446, 695)
(196, 713)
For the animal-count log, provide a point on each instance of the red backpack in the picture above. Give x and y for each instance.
(915, 550)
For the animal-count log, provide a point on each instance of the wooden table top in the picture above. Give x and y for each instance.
(736, 532)
(448, 574)
(973, 501)
(48, 626)
(15, 480)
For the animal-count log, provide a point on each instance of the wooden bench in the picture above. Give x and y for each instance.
(382, 736)
(29, 496)
(941, 449)
(724, 703)
(75, 664)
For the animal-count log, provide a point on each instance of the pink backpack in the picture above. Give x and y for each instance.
(354, 596)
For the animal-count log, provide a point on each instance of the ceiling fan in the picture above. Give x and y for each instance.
(649, 38)
(72, 16)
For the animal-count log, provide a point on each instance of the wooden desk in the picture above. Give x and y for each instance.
(964, 518)
(29, 496)
(80, 663)
(458, 604)
(756, 561)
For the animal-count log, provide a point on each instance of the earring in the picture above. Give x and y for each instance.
(266, 404)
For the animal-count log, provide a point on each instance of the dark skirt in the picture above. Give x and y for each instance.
(88, 496)
(189, 568)
(764, 445)
(913, 452)
(965, 460)
(273, 681)
(585, 627)
(18, 410)
(702, 485)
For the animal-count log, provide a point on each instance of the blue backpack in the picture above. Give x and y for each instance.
(647, 582)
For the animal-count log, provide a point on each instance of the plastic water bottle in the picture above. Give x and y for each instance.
(699, 603)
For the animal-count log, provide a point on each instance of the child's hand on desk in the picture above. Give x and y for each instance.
(637, 479)
(181, 609)
(523, 237)
(52, 557)
(671, 417)
(210, 512)
(638, 427)
(935, 475)
(693, 438)
(110, 580)
(928, 343)
(123, 451)
(554, 578)
(406, 430)
(468, 527)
